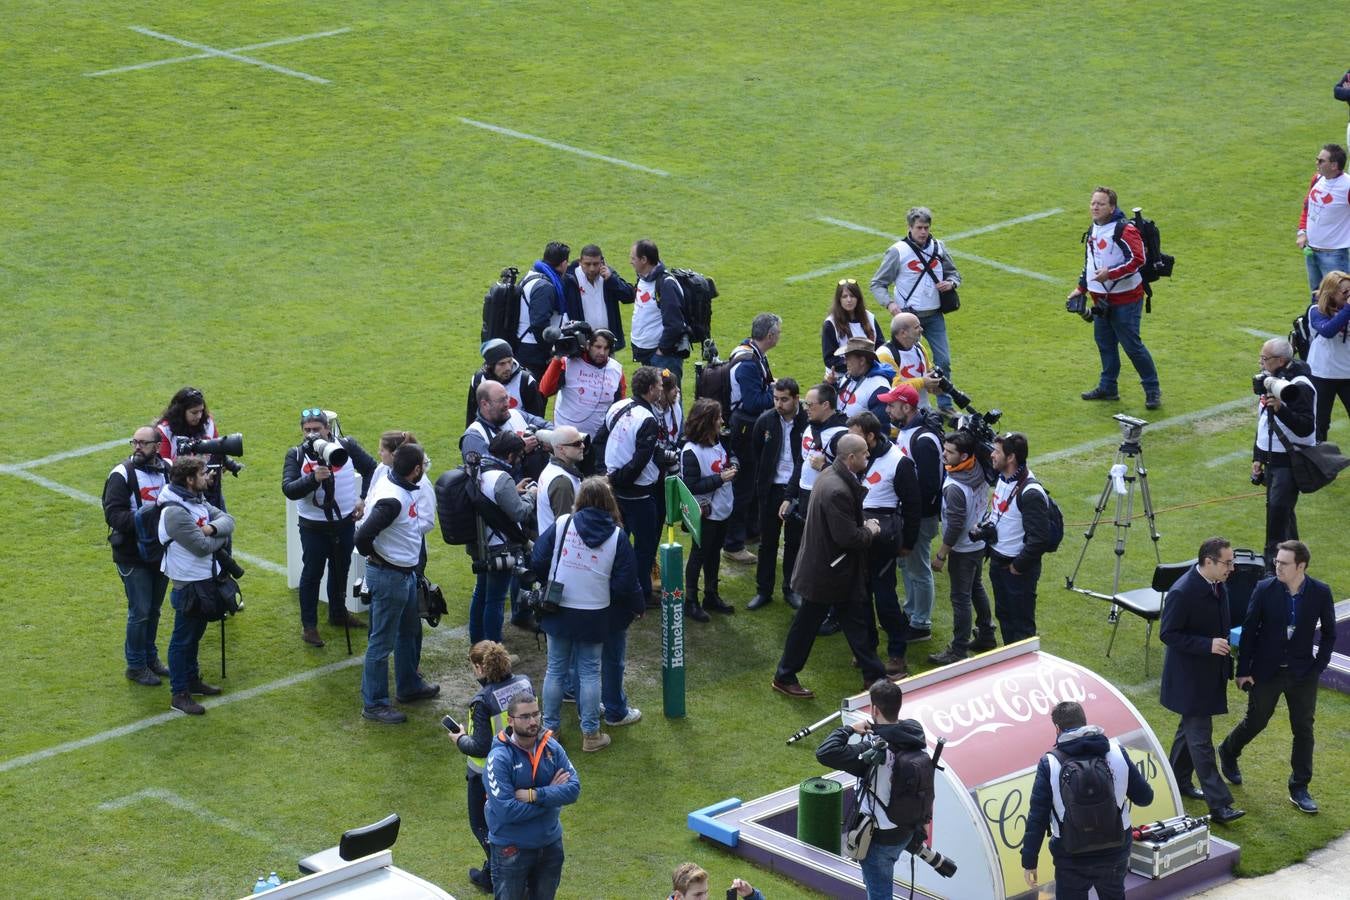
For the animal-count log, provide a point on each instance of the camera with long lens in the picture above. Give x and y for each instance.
(874, 750)
(1083, 306)
(543, 600)
(1264, 385)
(227, 565)
(667, 457)
(217, 450)
(330, 453)
(569, 339)
(943, 865)
(874, 754)
(502, 562)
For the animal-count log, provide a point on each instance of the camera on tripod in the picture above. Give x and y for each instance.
(217, 450)
(568, 340)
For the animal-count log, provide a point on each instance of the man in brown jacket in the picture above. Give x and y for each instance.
(831, 569)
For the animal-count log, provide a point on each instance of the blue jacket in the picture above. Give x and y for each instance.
(1087, 741)
(1264, 647)
(592, 626)
(1194, 679)
(511, 821)
(755, 383)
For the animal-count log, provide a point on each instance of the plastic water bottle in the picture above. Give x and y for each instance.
(260, 885)
(273, 881)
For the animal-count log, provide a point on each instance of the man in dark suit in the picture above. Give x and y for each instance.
(1196, 669)
(776, 443)
(1277, 659)
(831, 570)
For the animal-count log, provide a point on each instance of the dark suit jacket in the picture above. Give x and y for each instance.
(766, 440)
(1194, 679)
(1264, 647)
(834, 526)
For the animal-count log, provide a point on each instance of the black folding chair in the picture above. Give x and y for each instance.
(1146, 603)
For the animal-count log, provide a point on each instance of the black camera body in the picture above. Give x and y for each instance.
(570, 338)
(331, 453)
(985, 531)
(979, 425)
(501, 560)
(217, 450)
(543, 600)
(667, 457)
(1084, 306)
(227, 564)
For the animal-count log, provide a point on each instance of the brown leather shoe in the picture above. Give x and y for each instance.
(793, 690)
(311, 636)
(590, 743)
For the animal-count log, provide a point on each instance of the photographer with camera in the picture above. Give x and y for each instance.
(893, 500)
(660, 335)
(589, 590)
(192, 531)
(635, 460)
(184, 426)
(328, 479)
(543, 304)
(905, 353)
(1017, 531)
(496, 415)
(499, 365)
(1288, 399)
(965, 499)
(777, 439)
(390, 538)
(594, 293)
(709, 469)
(1082, 796)
(1113, 255)
(751, 394)
(586, 379)
(918, 440)
(889, 757)
(501, 554)
(134, 486)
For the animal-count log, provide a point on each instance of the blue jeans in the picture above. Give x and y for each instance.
(1322, 262)
(1119, 327)
(645, 357)
(394, 625)
(522, 874)
(488, 606)
(935, 330)
(187, 634)
(878, 869)
(918, 574)
(640, 520)
(145, 588)
(613, 659)
(1014, 599)
(560, 654)
(331, 546)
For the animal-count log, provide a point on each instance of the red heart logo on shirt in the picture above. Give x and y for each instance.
(1101, 243)
(874, 478)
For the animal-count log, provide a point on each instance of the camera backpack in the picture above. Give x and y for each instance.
(911, 804)
(696, 305)
(145, 520)
(1300, 335)
(1053, 513)
(1091, 820)
(1157, 264)
(714, 380)
(501, 308)
(460, 504)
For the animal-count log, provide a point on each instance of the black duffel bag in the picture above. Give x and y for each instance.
(212, 599)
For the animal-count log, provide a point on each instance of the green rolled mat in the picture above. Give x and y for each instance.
(820, 813)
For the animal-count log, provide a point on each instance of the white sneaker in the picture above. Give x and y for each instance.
(634, 714)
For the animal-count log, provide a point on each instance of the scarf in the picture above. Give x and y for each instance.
(551, 274)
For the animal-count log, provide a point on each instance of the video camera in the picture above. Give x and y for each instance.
(217, 450)
(331, 453)
(975, 423)
(568, 340)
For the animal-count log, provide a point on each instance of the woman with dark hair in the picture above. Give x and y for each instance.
(185, 418)
(487, 715)
(1328, 352)
(848, 318)
(587, 567)
(707, 469)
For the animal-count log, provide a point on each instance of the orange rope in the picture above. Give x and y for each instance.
(1158, 512)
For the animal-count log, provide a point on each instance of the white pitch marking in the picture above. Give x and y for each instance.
(177, 59)
(837, 267)
(1228, 458)
(1003, 266)
(179, 802)
(854, 226)
(1184, 419)
(226, 54)
(90, 499)
(996, 226)
(559, 146)
(68, 454)
(439, 636)
(1263, 335)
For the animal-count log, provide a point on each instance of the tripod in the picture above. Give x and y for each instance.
(1120, 482)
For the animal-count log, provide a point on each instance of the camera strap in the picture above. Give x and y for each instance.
(923, 261)
(557, 550)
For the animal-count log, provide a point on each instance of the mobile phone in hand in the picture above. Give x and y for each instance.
(732, 895)
(450, 724)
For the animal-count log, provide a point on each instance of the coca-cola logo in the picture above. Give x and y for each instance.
(1013, 699)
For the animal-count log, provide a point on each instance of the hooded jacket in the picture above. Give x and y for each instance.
(595, 526)
(837, 752)
(513, 822)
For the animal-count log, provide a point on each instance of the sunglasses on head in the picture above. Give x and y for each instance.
(312, 412)
(844, 281)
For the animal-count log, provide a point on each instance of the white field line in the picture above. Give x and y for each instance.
(983, 229)
(1184, 419)
(247, 47)
(82, 497)
(67, 454)
(438, 636)
(226, 54)
(1228, 458)
(1263, 335)
(201, 812)
(565, 147)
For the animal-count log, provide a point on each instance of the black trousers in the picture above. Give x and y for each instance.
(1281, 522)
(1328, 389)
(1300, 695)
(770, 530)
(851, 610)
(707, 558)
(1193, 755)
(1074, 877)
(744, 520)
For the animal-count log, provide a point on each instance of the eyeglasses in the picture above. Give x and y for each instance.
(528, 716)
(845, 281)
(136, 443)
(1265, 358)
(573, 444)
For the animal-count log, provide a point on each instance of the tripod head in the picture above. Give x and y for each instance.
(1131, 430)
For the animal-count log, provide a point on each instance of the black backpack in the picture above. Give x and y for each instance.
(696, 306)
(501, 308)
(1091, 820)
(1300, 335)
(714, 380)
(1054, 513)
(460, 504)
(912, 791)
(1157, 264)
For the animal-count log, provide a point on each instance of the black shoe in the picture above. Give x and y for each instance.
(185, 704)
(915, 635)
(1300, 798)
(425, 692)
(526, 622)
(984, 644)
(759, 600)
(481, 878)
(1226, 814)
(693, 611)
(158, 667)
(947, 656)
(828, 627)
(385, 715)
(204, 689)
(144, 676)
(718, 605)
(1099, 394)
(793, 599)
(1153, 401)
(1190, 790)
(1228, 766)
